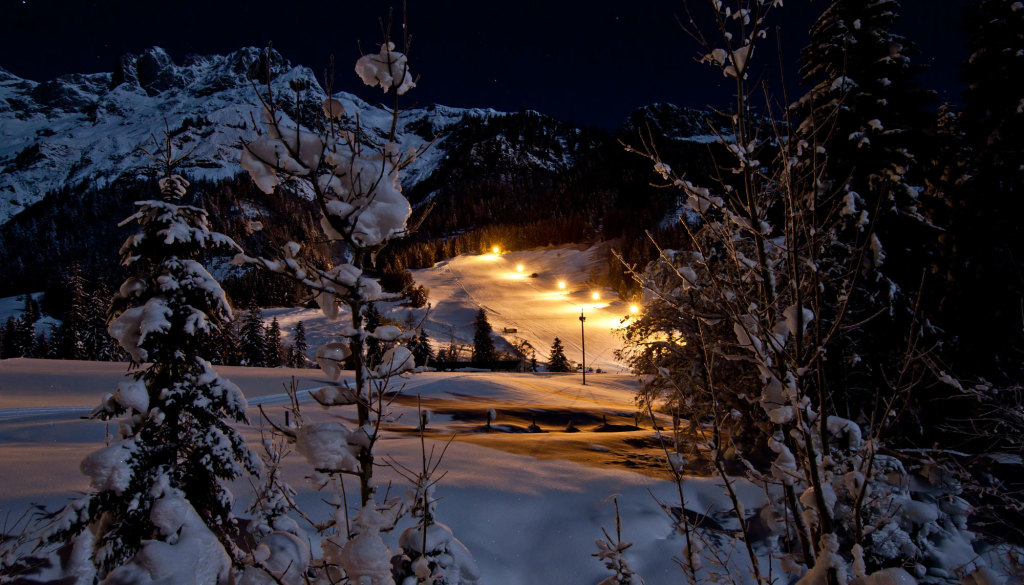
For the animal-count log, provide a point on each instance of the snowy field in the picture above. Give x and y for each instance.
(528, 505)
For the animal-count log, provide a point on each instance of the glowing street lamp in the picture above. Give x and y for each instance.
(583, 347)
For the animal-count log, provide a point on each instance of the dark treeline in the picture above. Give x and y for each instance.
(79, 225)
(525, 181)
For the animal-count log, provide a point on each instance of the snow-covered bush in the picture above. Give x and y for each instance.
(429, 553)
(611, 551)
(756, 335)
(353, 178)
(354, 181)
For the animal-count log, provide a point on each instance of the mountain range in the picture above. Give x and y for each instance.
(83, 137)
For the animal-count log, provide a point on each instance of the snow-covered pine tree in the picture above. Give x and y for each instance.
(30, 311)
(483, 342)
(99, 346)
(860, 131)
(19, 332)
(274, 351)
(252, 337)
(4, 333)
(297, 353)
(421, 350)
(41, 346)
(557, 362)
(227, 344)
(25, 334)
(74, 329)
(160, 492)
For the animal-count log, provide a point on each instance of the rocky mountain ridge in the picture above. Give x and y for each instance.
(93, 127)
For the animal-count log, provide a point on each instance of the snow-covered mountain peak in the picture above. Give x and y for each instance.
(154, 72)
(91, 127)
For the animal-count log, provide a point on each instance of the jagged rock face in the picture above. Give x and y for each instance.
(675, 123)
(89, 128)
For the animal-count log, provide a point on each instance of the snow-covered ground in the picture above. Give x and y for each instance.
(528, 505)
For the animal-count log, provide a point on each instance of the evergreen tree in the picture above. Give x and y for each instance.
(557, 362)
(74, 329)
(30, 309)
(252, 342)
(6, 350)
(420, 348)
(418, 296)
(297, 355)
(8, 345)
(274, 355)
(41, 346)
(19, 332)
(860, 138)
(27, 325)
(863, 126)
(230, 341)
(99, 346)
(483, 343)
(863, 118)
(54, 343)
(984, 242)
(162, 483)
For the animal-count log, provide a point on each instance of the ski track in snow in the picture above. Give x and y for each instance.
(535, 307)
(43, 412)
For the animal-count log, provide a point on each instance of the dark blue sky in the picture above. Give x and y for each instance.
(588, 62)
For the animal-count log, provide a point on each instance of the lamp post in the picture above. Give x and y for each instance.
(583, 347)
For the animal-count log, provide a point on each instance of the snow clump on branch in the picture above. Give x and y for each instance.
(389, 69)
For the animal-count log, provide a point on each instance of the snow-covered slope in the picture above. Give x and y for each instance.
(80, 128)
(519, 305)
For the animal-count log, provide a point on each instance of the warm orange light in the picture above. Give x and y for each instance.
(561, 284)
(634, 309)
(519, 267)
(496, 250)
(595, 296)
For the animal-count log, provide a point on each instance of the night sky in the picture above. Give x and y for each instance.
(588, 62)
